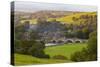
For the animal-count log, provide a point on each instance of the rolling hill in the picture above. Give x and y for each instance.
(63, 17)
(69, 20)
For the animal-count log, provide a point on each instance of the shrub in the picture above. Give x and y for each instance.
(59, 57)
(79, 56)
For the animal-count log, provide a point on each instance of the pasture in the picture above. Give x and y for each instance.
(21, 59)
(65, 50)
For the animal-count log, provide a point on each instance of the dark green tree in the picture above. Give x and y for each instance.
(90, 52)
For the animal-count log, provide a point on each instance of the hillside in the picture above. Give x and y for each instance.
(69, 19)
(32, 17)
(63, 17)
(51, 14)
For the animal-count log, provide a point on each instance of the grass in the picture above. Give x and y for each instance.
(32, 21)
(65, 50)
(27, 60)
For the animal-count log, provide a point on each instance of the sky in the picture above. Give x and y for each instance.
(28, 6)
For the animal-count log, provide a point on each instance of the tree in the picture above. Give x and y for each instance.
(37, 50)
(19, 31)
(29, 46)
(86, 33)
(90, 52)
(74, 18)
(79, 34)
(92, 43)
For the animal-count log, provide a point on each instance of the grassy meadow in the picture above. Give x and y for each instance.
(66, 50)
(21, 59)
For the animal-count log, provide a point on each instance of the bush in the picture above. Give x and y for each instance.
(59, 57)
(79, 56)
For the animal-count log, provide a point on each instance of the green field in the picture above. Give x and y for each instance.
(32, 21)
(27, 60)
(66, 50)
